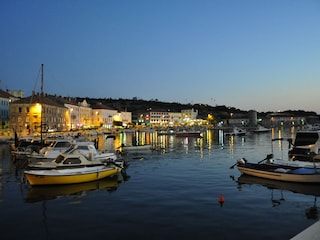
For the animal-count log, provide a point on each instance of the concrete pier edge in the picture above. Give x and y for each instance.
(310, 233)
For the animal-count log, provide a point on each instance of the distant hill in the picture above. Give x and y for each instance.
(136, 106)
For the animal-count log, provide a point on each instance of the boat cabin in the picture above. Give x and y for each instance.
(306, 146)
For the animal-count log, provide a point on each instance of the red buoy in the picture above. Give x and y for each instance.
(221, 199)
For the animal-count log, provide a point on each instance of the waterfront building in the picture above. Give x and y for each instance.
(159, 118)
(153, 118)
(126, 118)
(72, 116)
(189, 114)
(174, 118)
(16, 93)
(253, 118)
(103, 116)
(5, 99)
(85, 115)
(36, 114)
(285, 119)
(236, 119)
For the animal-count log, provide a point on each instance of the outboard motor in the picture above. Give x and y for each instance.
(242, 161)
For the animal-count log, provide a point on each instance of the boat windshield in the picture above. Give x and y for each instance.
(306, 138)
(81, 147)
(63, 144)
(72, 160)
(59, 159)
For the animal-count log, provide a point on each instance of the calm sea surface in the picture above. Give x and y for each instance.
(171, 193)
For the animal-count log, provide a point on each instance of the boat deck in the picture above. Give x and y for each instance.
(310, 233)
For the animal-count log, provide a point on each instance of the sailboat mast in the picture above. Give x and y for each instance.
(41, 91)
(41, 94)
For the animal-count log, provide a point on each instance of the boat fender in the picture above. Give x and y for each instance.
(280, 170)
(270, 160)
(242, 161)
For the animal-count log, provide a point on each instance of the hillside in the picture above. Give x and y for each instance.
(136, 106)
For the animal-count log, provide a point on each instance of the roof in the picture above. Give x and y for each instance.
(102, 106)
(5, 94)
(36, 98)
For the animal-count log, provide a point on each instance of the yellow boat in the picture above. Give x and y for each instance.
(49, 192)
(69, 176)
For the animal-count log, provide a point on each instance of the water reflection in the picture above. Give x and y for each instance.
(280, 186)
(211, 138)
(166, 193)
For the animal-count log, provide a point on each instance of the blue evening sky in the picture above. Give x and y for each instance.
(249, 54)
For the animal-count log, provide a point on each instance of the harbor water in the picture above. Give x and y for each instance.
(185, 189)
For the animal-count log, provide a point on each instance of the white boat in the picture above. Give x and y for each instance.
(52, 151)
(75, 159)
(279, 172)
(236, 131)
(306, 146)
(295, 163)
(88, 149)
(261, 129)
(24, 146)
(312, 127)
(69, 176)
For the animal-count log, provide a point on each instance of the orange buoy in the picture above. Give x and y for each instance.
(221, 199)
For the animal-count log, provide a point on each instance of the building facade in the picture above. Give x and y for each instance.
(103, 116)
(5, 99)
(37, 114)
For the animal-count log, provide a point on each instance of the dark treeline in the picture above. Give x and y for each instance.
(136, 105)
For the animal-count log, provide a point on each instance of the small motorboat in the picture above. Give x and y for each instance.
(269, 170)
(76, 159)
(69, 175)
(22, 148)
(42, 193)
(52, 151)
(236, 131)
(261, 129)
(89, 150)
(306, 146)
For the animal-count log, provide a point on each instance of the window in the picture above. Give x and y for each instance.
(72, 161)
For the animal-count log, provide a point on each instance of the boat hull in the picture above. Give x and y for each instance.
(68, 176)
(308, 175)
